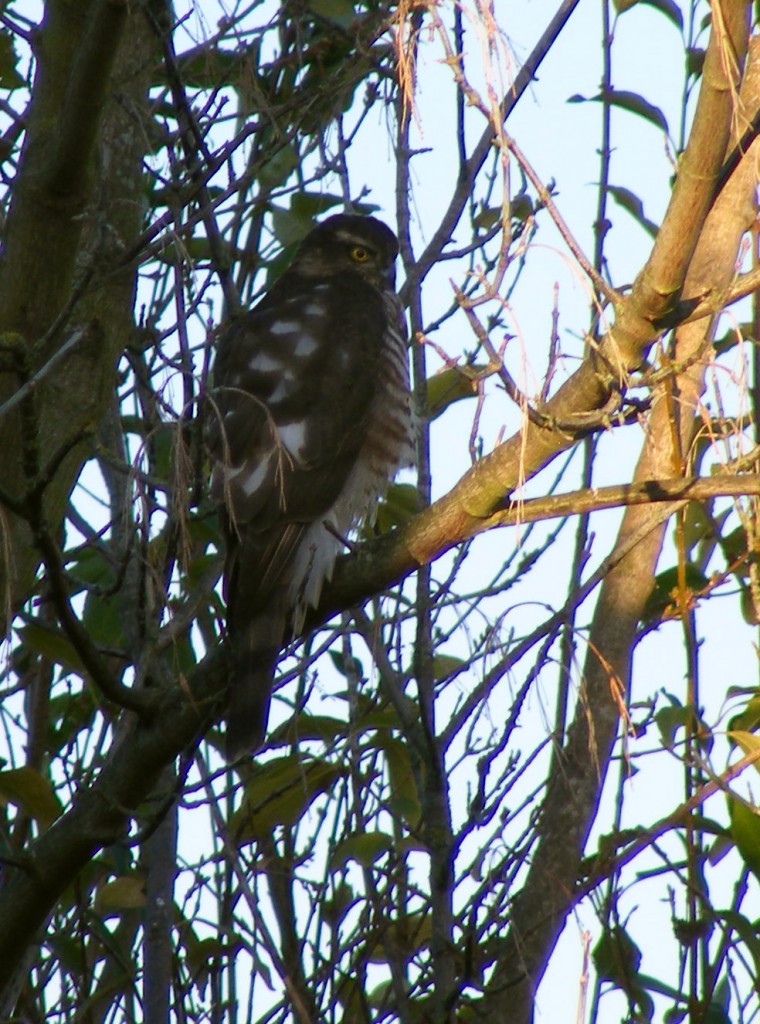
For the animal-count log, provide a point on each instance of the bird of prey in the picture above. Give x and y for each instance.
(310, 420)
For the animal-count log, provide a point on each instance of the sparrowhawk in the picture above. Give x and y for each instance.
(310, 420)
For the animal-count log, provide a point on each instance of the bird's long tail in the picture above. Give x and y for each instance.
(254, 654)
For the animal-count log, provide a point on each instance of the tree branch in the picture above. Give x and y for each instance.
(602, 866)
(75, 57)
(573, 793)
(101, 812)
(79, 120)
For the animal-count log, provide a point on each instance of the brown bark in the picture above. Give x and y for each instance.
(76, 205)
(575, 789)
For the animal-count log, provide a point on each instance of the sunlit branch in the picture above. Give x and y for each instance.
(639, 493)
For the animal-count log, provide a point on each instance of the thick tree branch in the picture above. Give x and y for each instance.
(574, 790)
(101, 812)
(68, 166)
(379, 564)
(77, 47)
(484, 490)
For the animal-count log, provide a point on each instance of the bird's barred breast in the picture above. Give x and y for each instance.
(389, 446)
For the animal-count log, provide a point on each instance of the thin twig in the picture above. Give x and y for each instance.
(33, 382)
(603, 866)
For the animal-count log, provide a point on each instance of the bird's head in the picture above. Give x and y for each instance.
(349, 243)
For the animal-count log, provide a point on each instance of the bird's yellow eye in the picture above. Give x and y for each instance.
(359, 254)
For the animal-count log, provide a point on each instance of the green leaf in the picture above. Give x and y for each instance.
(278, 168)
(341, 12)
(67, 948)
(616, 956)
(748, 742)
(32, 793)
(669, 8)
(663, 601)
(697, 525)
(487, 218)
(52, 645)
(722, 845)
(721, 999)
(446, 665)
(289, 226)
(521, 207)
(198, 249)
(636, 104)
(279, 792)
(633, 102)
(306, 726)
(9, 77)
(401, 503)
(199, 569)
(747, 720)
(746, 930)
(125, 893)
(353, 999)
(715, 1014)
(277, 266)
(209, 66)
(347, 666)
(101, 616)
(655, 985)
(162, 439)
(449, 386)
(371, 715)
(69, 713)
(711, 539)
(380, 718)
(91, 567)
(633, 205)
(363, 847)
(400, 939)
(670, 719)
(408, 844)
(117, 860)
(405, 800)
(102, 621)
(183, 659)
(312, 204)
(734, 546)
(335, 909)
(695, 59)
(617, 959)
(748, 606)
(201, 958)
(745, 832)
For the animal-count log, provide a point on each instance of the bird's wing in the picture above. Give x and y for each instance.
(293, 387)
(294, 382)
